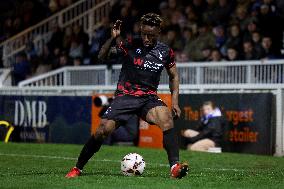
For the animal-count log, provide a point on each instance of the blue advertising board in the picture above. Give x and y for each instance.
(56, 119)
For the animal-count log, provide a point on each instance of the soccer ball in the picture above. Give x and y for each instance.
(132, 164)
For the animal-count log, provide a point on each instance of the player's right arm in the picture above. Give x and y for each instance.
(107, 48)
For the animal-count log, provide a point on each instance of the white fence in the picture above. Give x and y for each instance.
(241, 72)
(5, 77)
(87, 13)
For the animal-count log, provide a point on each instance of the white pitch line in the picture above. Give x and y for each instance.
(71, 158)
(107, 160)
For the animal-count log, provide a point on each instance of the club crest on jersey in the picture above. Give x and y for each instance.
(138, 51)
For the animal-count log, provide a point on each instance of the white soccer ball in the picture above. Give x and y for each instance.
(132, 164)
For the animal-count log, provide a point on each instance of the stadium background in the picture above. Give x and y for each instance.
(230, 52)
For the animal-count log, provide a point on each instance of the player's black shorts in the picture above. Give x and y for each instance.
(123, 107)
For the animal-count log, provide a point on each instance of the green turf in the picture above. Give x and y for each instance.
(37, 166)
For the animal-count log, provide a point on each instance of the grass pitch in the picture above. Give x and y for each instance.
(35, 166)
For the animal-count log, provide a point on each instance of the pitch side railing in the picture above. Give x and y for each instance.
(5, 77)
(210, 73)
(86, 13)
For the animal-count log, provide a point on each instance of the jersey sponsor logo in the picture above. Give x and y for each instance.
(152, 66)
(160, 56)
(30, 113)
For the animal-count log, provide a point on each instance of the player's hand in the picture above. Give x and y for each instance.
(116, 29)
(176, 111)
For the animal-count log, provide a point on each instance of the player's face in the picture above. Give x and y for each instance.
(149, 35)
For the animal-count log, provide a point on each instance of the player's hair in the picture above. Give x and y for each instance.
(151, 19)
(209, 103)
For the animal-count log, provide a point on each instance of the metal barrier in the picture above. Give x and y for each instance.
(87, 13)
(5, 77)
(240, 72)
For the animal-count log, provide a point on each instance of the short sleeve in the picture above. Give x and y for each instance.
(170, 61)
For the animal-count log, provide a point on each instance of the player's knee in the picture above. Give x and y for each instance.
(99, 134)
(103, 131)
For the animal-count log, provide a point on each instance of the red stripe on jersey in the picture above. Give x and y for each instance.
(122, 48)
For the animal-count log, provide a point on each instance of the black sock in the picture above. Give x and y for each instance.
(170, 142)
(92, 146)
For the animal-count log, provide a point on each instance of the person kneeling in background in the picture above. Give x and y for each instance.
(209, 132)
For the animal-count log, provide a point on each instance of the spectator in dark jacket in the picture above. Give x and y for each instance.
(210, 131)
(21, 68)
(266, 48)
(249, 53)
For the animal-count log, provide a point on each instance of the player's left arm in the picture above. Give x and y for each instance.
(174, 88)
(173, 82)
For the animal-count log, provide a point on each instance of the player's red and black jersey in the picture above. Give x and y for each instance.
(142, 68)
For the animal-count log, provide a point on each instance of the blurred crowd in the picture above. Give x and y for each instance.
(198, 30)
(17, 15)
(216, 30)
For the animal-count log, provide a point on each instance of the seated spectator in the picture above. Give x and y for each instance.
(209, 132)
(42, 68)
(256, 40)
(204, 38)
(31, 51)
(56, 40)
(77, 61)
(67, 39)
(206, 53)
(241, 17)
(209, 14)
(21, 68)
(8, 28)
(222, 12)
(187, 36)
(192, 19)
(173, 40)
(63, 61)
(165, 13)
(220, 37)
(232, 54)
(81, 38)
(99, 37)
(76, 49)
(216, 56)
(234, 39)
(53, 6)
(266, 48)
(182, 57)
(251, 28)
(249, 52)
